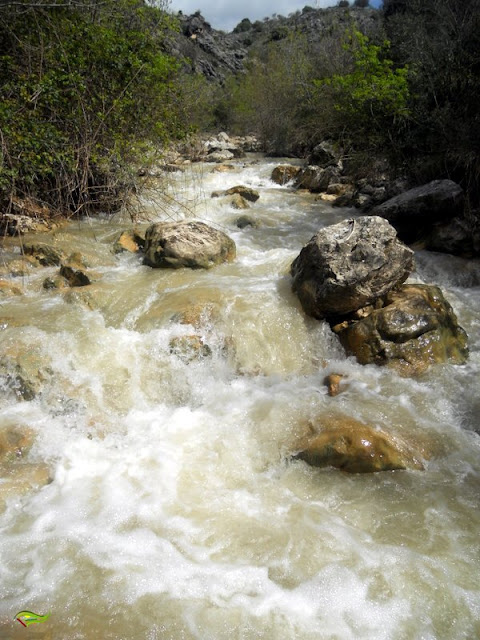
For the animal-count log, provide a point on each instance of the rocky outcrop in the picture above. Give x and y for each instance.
(246, 192)
(352, 446)
(44, 254)
(316, 179)
(186, 244)
(349, 265)
(415, 327)
(414, 212)
(284, 173)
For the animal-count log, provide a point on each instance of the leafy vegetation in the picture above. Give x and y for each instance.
(86, 89)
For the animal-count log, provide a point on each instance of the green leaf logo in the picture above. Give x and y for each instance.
(28, 617)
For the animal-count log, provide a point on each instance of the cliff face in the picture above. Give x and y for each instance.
(217, 54)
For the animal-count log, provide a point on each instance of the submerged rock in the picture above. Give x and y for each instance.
(128, 241)
(316, 179)
(189, 348)
(45, 254)
(334, 385)
(242, 222)
(413, 212)
(349, 265)
(352, 446)
(246, 192)
(237, 202)
(284, 173)
(9, 289)
(186, 244)
(15, 442)
(24, 371)
(74, 277)
(415, 328)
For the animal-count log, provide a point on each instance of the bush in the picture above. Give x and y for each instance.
(85, 90)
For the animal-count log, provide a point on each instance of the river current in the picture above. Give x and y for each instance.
(175, 510)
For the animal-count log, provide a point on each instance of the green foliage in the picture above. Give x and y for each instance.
(85, 91)
(270, 98)
(374, 90)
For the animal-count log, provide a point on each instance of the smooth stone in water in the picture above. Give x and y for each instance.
(195, 245)
(414, 329)
(352, 446)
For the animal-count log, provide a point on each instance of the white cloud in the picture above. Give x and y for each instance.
(225, 14)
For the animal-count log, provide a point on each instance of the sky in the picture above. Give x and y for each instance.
(226, 14)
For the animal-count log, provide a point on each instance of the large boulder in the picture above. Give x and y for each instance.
(355, 447)
(316, 179)
(190, 244)
(413, 212)
(324, 154)
(349, 265)
(415, 328)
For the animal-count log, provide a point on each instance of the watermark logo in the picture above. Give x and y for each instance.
(28, 617)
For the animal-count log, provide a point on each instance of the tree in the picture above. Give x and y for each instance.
(440, 41)
(371, 97)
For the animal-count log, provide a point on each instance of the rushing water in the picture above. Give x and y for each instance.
(175, 510)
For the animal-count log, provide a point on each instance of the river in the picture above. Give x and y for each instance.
(175, 510)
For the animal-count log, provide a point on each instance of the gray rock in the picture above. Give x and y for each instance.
(349, 265)
(456, 237)
(186, 244)
(246, 221)
(324, 154)
(414, 212)
(219, 156)
(316, 179)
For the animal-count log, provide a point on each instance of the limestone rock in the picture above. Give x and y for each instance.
(355, 447)
(237, 202)
(15, 442)
(324, 154)
(19, 479)
(74, 277)
(246, 192)
(333, 382)
(45, 254)
(187, 244)
(223, 168)
(128, 241)
(219, 156)
(57, 282)
(415, 328)
(189, 348)
(346, 266)
(246, 221)
(9, 289)
(413, 212)
(316, 179)
(24, 371)
(284, 173)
